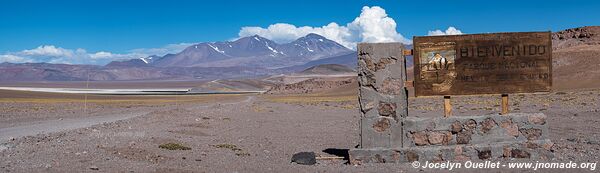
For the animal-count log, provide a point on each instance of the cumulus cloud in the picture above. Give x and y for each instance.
(372, 25)
(13, 58)
(54, 54)
(47, 50)
(450, 31)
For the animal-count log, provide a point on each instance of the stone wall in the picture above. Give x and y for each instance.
(515, 127)
(388, 135)
(460, 138)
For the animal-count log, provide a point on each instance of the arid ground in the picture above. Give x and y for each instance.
(242, 133)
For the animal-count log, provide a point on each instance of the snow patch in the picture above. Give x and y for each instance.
(144, 59)
(216, 48)
(270, 48)
(321, 40)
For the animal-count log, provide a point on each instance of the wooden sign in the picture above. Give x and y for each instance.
(498, 63)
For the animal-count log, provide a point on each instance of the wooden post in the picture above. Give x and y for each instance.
(504, 104)
(447, 107)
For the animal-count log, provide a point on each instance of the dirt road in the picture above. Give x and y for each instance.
(60, 124)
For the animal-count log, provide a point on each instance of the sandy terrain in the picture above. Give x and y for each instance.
(246, 133)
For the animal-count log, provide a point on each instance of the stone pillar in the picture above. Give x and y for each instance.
(383, 97)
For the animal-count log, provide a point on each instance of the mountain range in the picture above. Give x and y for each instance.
(244, 57)
(253, 51)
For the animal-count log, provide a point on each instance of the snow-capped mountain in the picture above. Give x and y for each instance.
(253, 51)
(314, 47)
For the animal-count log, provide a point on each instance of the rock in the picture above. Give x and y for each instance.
(516, 153)
(435, 137)
(369, 64)
(532, 134)
(506, 152)
(463, 137)
(531, 145)
(94, 168)
(411, 156)
(459, 154)
(456, 127)
(439, 137)
(367, 107)
(510, 127)
(458, 150)
(392, 86)
(470, 125)
(420, 138)
(387, 109)
(305, 158)
(592, 142)
(381, 125)
(484, 154)
(537, 119)
(487, 125)
(461, 158)
(548, 146)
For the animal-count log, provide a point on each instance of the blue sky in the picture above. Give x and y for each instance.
(121, 26)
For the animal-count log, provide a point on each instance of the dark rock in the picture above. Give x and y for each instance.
(463, 137)
(516, 153)
(411, 156)
(532, 134)
(305, 158)
(456, 127)
(487, 125)
(485, 154)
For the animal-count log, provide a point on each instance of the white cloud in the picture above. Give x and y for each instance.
(54, 54)
(101, 55)
(450, 31)
(13, 58)
(372, 25)
(48, 50)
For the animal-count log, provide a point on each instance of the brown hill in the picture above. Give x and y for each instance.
(327, 69)
(589, 35)
(576, 58)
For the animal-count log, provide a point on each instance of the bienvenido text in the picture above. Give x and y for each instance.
(502, 51)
